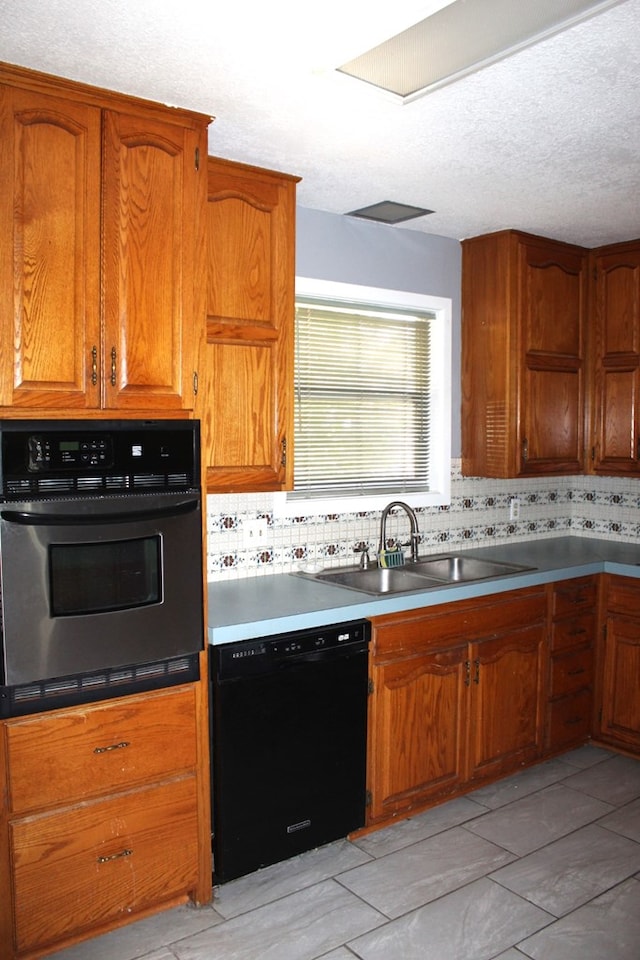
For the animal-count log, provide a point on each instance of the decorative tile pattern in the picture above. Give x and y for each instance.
(603, 507)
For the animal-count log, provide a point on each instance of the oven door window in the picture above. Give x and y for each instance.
(99, 577)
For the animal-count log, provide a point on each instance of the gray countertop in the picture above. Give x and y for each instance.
(267, 605)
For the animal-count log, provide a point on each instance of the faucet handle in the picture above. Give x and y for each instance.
(414, 544)
(365, 559)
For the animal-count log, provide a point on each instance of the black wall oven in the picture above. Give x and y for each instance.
(100, 559)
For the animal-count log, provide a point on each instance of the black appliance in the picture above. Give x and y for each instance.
(100, 559)
(288, 744)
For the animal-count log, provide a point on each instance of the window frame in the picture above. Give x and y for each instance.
(440, 441)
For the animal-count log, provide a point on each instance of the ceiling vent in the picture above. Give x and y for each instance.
(463, 37)
(387, 211)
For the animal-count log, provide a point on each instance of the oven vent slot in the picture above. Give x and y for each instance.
(179, 480)
(25, 488)
(89, 484)
(117, 482)
(101, 685)
(150, 481)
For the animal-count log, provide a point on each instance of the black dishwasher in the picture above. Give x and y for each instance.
(289, 720)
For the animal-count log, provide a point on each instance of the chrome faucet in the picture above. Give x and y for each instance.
(415, 533)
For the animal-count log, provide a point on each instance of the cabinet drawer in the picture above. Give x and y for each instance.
(570, 719)
(571, 596)
(573, 632)
(68, 755)
(571, 672)
(90, 865)
(624, 596)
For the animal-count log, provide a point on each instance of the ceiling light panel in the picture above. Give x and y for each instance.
(388, 211)
(464, 36)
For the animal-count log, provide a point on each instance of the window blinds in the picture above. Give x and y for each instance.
(362, 404)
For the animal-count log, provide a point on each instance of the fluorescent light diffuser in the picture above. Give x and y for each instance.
(463, 37)
(388, 211)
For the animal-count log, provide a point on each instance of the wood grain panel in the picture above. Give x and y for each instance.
(82, 752)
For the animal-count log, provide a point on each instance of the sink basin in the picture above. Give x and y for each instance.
(423, 575)
(460, 569)
(376, 580)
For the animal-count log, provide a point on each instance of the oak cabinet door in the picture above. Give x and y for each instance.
(552, 315)
(49, 251)
(506, 703)
(524, 301)
(417, 729)
(620, 719)
(245, 398)
(150, 323)
(616, 441)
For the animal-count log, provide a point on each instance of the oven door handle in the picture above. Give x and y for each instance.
(56, 519)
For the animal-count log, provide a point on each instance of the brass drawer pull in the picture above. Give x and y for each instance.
(114, 746)
(115, 856)
(576, 672)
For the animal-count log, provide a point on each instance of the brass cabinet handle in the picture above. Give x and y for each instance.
(467, 673)
(113, 366)
(94, 365)
(525, 450)
(113, 746)
(115, 856)
(476, 679)
(283, 457)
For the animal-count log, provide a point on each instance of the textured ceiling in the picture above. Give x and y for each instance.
(547, 140)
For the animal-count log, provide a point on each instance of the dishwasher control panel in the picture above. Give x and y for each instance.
(249, 657)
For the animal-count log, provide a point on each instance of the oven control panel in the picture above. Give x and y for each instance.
(51, 453)
(55, 458)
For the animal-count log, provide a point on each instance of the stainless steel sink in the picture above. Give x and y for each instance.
(460, 569)
(423, 575)
(376, 580)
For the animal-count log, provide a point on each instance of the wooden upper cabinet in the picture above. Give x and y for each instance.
(49, 250)
(245, 397)
(523, 356)
(100, 196)
(150, 326)
(616, 360)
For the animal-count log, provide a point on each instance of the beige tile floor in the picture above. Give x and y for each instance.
(543, 865)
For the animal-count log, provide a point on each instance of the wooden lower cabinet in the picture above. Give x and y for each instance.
(81, 869)
(571, 666)
(458, 695)
(506, 701)
(106, 817)
(619, 707)
(416, 730)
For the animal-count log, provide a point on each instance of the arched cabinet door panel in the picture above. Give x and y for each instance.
(49, 251)
(245, 398)
(616, 352)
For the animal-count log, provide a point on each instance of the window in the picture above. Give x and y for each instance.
(372, 398)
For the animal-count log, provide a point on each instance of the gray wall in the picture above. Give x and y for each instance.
(334, 247)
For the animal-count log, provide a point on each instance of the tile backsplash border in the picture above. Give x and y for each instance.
(604, 507)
